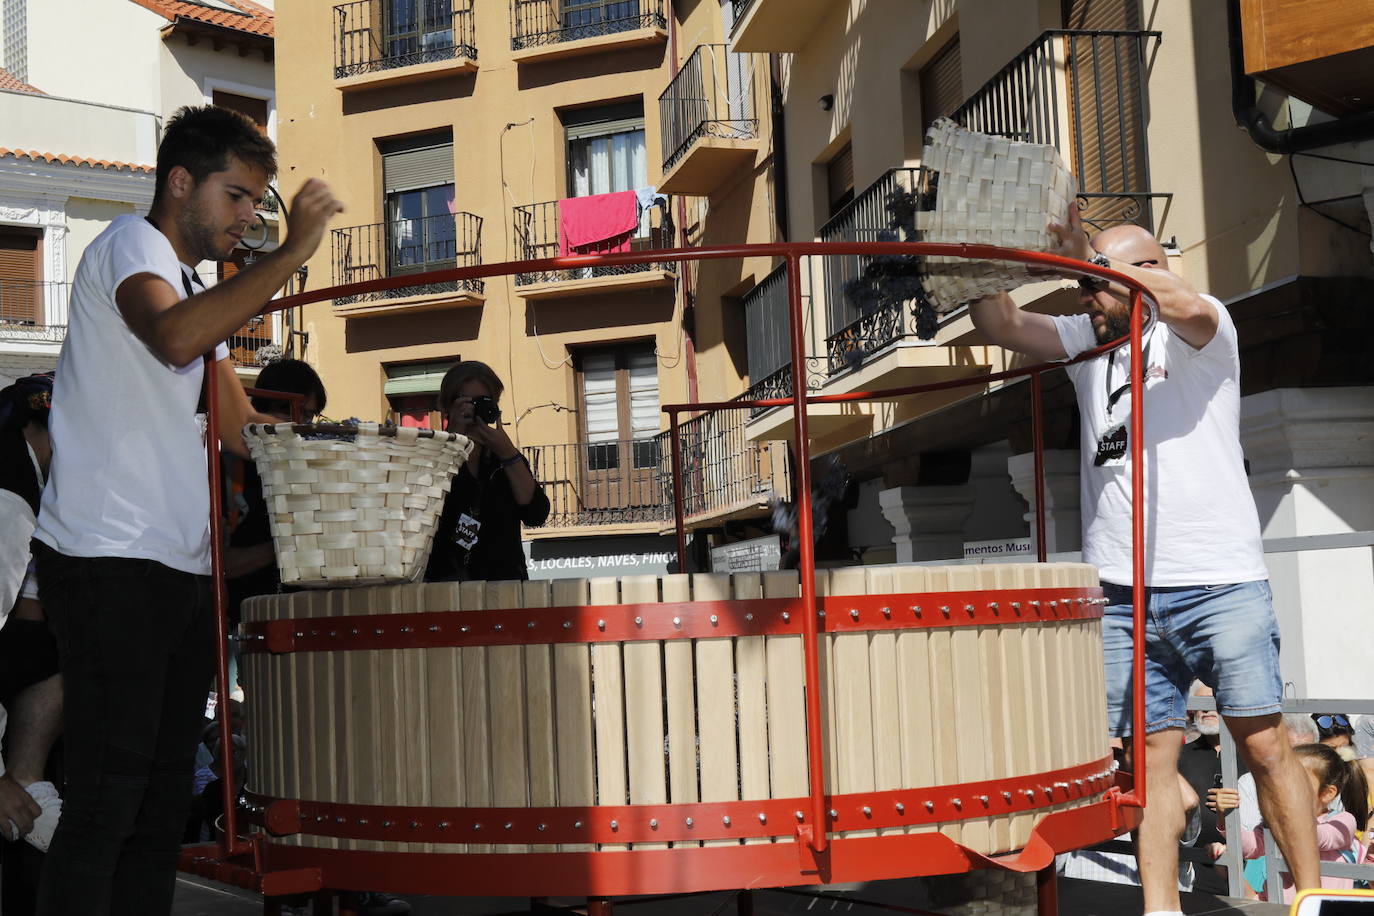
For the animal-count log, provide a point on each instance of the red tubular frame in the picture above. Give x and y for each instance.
(791, 253)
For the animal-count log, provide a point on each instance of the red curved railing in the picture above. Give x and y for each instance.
(791, 253)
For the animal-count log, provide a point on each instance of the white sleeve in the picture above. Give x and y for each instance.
(16, 528)
(142, 250)
(1075, 333)
(1250, 816)
(221, 351)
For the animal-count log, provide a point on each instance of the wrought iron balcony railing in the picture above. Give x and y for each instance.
(408, 246)
(1084, 92)
(537, 233)
(711, 96)
(254, 344)
(741, 9)
(549, 22)
(855, 335)
(615, 482)
(32, 312)
(375, 35)
(766, 326)
(722, 470)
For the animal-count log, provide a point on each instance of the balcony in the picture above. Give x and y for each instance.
(253, 345)
(612, 487)
(725, 475)
(543, 30)
(777, 25)
(710, 120)
(537, 232)
(387, 42)
(1083, 92)
(33, 316)
(408, 246)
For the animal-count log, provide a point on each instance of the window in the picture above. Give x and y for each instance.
(600, 17)
(942, 84)
(605, 149)
(413, 26)
(839, 179)
(417, 173)
(21, 295)
(412, 392)
(254, 109)
(618, 389)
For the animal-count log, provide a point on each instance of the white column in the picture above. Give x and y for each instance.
(1063, 512)
(1311, 454)
(927, 522)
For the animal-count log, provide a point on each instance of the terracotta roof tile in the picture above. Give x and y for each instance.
(74, 160)
(259, 20)
(9, 81)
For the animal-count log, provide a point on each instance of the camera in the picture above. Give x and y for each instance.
(486, 409)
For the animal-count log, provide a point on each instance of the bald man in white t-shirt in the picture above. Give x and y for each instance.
(1209, 611)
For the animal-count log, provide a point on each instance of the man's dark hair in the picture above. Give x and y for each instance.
(201, 140)
(291, 376)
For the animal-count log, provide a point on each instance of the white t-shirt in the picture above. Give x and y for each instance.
(128, 474)
(1201, 527)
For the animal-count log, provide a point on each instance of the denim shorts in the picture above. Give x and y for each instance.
(1224, 635)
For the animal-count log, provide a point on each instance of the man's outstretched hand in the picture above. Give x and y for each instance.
(17, 807)
(1070, 239)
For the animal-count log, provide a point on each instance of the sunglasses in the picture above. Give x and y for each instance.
(1093, 284)
(1327, 722)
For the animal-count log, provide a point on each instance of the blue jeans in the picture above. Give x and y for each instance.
(1224, 635)
(136, 642)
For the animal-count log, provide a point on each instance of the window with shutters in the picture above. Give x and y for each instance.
(839, 180)
(618, 406)
(254, 109)
(606, 150)
(942, 84)
(21, 293)
(418, 176)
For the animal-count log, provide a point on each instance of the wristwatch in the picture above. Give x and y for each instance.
(1100, 260)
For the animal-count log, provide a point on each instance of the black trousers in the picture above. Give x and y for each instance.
(136, 644)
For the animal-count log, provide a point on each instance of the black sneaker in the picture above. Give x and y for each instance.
(375, 903)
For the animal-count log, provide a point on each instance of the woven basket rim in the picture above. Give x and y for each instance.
(260, 430)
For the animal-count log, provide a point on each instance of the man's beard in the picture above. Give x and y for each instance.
(199, 234)
(1115, 325)
(1208, 728)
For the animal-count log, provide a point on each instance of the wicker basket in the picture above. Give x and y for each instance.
(353, 505)
(988, 190)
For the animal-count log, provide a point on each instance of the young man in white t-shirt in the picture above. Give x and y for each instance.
(1209, 608)
(122, 541)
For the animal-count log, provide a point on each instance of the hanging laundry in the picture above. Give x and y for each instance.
(600, 223)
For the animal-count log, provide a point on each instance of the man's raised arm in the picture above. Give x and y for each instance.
(1013, 329)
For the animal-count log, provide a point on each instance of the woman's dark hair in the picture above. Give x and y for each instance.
(26, 401)
(291, 376)
(460, 375)
(1331, 769)
(201, 140)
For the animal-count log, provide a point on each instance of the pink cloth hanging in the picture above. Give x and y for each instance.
(598, 224)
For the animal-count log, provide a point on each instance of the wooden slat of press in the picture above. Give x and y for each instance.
(1070, 640)
(1060, 706)
(572, 694)
(970, 709)
(318, 721)
(716, 704)
(1033, 670)
(254, 705)
(853, 699)
(786, 701)
(1097, 668)
(943, 687)
(882, 666)
(1016, 700)
(608, 709)
(1050, 708)
(363, 719)
(413, 700)
(331, 684)
(506, 705)
(287, 679)
(995, 709)
(538, 659)
(476, 709)
(751, 672)
(825, 651)
(444, 692)
(682, 707)
(391, 771)
(914, 689)
(644, 729)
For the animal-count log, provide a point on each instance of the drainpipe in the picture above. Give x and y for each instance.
(688, 339)
(1248, 115)
(781, 211)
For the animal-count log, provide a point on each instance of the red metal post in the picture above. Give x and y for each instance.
(230, 842)
(1138, 722)
(806, 547)
(1047, 891)
(1038, 435)
(679, 509)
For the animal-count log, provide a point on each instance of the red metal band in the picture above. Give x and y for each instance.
(670, 620)
(617, 824)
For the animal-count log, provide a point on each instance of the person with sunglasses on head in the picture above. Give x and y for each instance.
(1334, 729)
(1210, 609)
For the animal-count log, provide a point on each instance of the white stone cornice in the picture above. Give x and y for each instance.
(50, 184)
(1309, 430)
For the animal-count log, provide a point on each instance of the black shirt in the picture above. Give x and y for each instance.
(487, 497)
(1200, 765)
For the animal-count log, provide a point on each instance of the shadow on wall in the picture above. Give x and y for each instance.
(363, 335)
(398, 97)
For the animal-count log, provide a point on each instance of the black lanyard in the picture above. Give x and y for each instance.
(186, 280)
(1114, 396)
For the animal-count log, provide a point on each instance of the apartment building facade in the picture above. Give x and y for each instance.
(79, 146)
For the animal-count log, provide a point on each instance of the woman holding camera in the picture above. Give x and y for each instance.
(492, 495)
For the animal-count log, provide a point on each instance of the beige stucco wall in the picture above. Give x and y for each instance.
(189, 73)
(323, 133)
